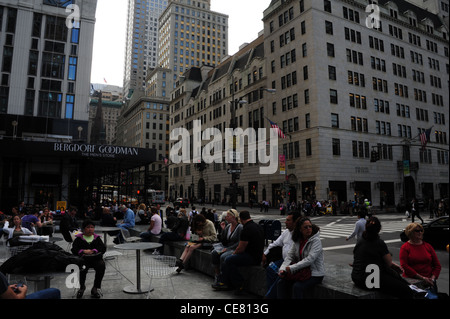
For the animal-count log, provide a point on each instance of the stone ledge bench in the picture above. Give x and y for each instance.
(337, 283)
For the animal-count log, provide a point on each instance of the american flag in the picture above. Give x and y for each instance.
(425, 137)
(275, 126)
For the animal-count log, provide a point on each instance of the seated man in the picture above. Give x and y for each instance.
(127, 223)
(248, 253)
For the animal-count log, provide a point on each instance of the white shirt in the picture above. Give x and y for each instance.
(284, 241)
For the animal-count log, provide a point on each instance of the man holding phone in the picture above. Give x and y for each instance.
(19, 291)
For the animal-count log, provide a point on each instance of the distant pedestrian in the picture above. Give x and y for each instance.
(431, 207)
(360, 226)
(415, 210)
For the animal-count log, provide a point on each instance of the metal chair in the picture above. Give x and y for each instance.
(160, 267)
(112, 257)
(127, 237)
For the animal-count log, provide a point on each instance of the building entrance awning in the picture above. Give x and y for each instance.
(103, 157)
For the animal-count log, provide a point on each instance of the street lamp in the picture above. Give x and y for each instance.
(14, 124)
(80, 129)
(234, 175)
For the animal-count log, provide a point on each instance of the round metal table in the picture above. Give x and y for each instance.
(105, 230)
(138, 246)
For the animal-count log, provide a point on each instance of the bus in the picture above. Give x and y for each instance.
(156, 196)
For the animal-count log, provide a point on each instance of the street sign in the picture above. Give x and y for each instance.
(234, 171)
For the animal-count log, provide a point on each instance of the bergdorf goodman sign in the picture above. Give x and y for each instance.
(104, 151)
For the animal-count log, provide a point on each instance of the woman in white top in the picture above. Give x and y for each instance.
(16, 228)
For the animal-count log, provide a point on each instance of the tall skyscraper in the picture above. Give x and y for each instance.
(142, 42)
(191, 35)
(45, 67)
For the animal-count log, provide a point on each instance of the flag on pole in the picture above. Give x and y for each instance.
(425, 137)
(275, 126)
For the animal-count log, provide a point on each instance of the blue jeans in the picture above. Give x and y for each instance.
(272, 279)
(230, 268)
(50, 293)
(287, 289)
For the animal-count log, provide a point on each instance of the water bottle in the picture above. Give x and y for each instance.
(274, 267)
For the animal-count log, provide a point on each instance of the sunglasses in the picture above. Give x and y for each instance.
(418, 230)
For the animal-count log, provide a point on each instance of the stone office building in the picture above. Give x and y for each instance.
(343, 90)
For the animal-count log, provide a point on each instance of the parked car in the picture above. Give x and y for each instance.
(435, 233)
(181, 202)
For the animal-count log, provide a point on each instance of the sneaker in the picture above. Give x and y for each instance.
(96, 293)
(80, 293)
(180, 268)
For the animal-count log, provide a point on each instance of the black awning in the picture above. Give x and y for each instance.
(98, 155)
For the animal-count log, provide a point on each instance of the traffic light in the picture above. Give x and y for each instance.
(200, 166)
(374, 156)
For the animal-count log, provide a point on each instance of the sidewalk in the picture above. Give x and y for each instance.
(189, 284)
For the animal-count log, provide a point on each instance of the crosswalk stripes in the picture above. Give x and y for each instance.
(344, 230)
(338, 229)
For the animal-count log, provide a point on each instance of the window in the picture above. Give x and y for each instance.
(70, 102)
(308, 147)
(327, 5)
(330, 49)
(333, 96)
(329, 27)
(336, 145)
(334, 120)
(72, 68)
(50, 104)
(307, 120)
(53, 65)
(58, 3)
(332, 72)
(56, 29)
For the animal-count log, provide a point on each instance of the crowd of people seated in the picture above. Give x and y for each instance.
(294, 262)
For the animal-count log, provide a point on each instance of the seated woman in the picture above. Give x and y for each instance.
(303, 267)
(229, 237)
(15, 229)
(372, 250)
(206, 233)
(47, 223)
(91, 248)
(418, 258)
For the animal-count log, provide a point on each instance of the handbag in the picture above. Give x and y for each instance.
(301, 275)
